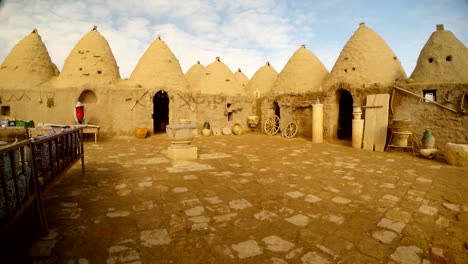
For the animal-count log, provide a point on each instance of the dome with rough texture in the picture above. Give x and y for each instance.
(219, 79)
(159, 67)
(444, 58)
(304, 73)
(262, 81)
(90, 61)
(241, 77)
(194, 74)
(366, 59)
(27, 65)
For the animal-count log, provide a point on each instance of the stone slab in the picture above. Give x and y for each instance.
(182, 153)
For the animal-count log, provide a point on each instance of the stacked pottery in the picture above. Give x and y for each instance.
(427, 145)
(401, 130)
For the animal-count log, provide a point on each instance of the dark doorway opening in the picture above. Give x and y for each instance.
(345, 116)
(277, 109)
(160, 111)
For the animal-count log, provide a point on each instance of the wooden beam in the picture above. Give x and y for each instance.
(417, 95)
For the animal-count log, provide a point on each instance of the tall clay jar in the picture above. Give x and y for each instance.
(428, 140)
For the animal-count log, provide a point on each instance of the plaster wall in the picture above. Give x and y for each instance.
(446, 126)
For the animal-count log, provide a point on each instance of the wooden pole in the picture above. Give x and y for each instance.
(417, 95)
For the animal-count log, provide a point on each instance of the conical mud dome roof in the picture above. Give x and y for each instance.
(218, 79)
(194, 74)
(444, 58)
(302, 74)
(27, 65)
(262, 81)
(241, 77)
(90, 61)
(159, 67)
(366, 59)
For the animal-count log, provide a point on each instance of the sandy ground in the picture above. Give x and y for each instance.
(255, 199)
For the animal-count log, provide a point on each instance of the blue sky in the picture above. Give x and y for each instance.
(245, 34)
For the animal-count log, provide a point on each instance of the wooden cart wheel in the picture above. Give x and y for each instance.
(271, 126)
(290, 130)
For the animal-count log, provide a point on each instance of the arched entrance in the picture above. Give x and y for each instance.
(160, 111)
(277, 109)
(345, 114)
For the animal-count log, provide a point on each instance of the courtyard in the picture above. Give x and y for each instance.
(255, 199)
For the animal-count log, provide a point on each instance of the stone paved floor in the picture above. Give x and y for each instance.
(255, 199)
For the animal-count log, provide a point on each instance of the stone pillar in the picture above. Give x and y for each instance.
(317, 123)
(358, 128)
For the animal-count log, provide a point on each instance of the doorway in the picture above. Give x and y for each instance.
(160, 111)
(345, 114)
(277, 109)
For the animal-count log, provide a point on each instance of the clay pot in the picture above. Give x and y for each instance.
(206, 132)
(428, 140)
(401, 131)
(428, 153)
(237, 129)
(400, 139)
(141, 132)
(226, 131)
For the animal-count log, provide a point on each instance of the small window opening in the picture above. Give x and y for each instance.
(354, 68)
(99, 72)
(5, 110)
(230, 118)
(449, 58)
(81, 69)
(394, 57)
(227, 80)
(431, 60)
(345, 70)
(430, 95)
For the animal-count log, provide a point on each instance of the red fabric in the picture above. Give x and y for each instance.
(80, 112)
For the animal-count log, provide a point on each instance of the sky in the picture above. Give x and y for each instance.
(243, 33)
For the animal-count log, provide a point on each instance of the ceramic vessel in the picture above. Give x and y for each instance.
(206, 132)
(428, 153)
(237, 129)
(428, 140)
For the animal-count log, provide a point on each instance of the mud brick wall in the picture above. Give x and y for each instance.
(445, 125)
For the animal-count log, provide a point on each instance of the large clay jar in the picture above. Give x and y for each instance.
(428, 140)
(206, 132)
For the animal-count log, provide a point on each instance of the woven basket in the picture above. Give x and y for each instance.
(141, 132)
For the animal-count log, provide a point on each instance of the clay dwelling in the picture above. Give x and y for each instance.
(28, 65)
(436, 96)
(366, 65)
(260, 86)
(241, 78)
(159, 67)
(194, 75)
(222, 101)
(297, 86)
(155, 84)
(262, 81)
(444, 59)
(91, 63)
